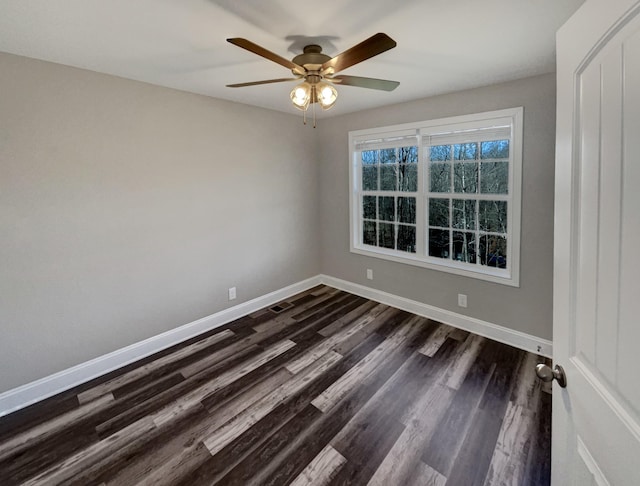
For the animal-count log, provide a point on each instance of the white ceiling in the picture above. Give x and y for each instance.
(443, 45)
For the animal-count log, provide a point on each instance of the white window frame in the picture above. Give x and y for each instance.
(512, 117)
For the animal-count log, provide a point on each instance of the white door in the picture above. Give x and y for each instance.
(596, 418)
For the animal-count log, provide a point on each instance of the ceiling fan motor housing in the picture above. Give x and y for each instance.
(311, 55)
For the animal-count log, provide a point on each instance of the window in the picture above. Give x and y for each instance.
(442, 194)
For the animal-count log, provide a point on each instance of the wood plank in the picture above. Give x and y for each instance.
(323, 306)
(258, 410)
(445, 443)
(399, 466)
(193, 398)
(395, 398)
(383, 316)
(424, 475)
(334, 340)
(294, 455)
(168, 456)
(46, 454)
(509, 461)
(461, 362)
(450, 363)
(138, 373)
(256, 466)
(367, 309)
(278, 469)
(539, 460)
(18, 443)
(81, 462)
(366, 446)
(175, 471)
(37, 413)
(322, 469)
(119, 419)
(276, 455)
(338, 390)
(309, 327)
(528, 387)
(472, 462)
(436, 340)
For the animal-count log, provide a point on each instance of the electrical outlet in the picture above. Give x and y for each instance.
(232, 293)
(462, 300)
(369, 274)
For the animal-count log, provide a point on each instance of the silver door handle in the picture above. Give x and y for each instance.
(547, 374)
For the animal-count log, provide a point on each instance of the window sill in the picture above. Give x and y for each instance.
(498, 276)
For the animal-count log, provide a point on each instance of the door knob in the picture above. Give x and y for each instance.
(547, 374)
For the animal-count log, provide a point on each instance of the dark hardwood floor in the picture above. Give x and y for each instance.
(326, 388)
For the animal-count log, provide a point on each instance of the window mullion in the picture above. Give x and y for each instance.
(477, 211)
(452, 174)
(423, 181)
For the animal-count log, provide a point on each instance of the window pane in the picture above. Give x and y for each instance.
(369, 235)
(465, 177)
(408, 155)
(439, 243)
(440, 175)
(387, 208)
(440, 152)
(498, 149)
(369, 157)
(407, 210)
(493, 216)
(407, 238)
(370, 178)
(493, 251)
(388, 156)
(494, 177)
(464, 214)
(465, 151)
(369, 207)
(408, 174)
(389, 177)
(439, 212)
(464, 247)
(386, 236)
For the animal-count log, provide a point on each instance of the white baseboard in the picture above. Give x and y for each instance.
(38, 390)
(502, 334)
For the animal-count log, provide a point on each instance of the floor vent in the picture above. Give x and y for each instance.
(280, 307)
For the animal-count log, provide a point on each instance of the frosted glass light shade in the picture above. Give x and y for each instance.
(301, 96)
(326, 95)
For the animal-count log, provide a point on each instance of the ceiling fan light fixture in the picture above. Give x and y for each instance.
(318, 70)
(301, 96)
(326, 95)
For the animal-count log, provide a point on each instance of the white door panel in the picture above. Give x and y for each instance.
(629, 322)
(596, 421)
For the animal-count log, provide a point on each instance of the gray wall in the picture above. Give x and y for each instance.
(128, 209)
(527, 308)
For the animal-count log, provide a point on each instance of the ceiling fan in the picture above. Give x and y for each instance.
(318, 70)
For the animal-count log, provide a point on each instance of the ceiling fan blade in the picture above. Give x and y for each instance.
(374, 45)
(261, 51)
(371, 83)
(266, 81)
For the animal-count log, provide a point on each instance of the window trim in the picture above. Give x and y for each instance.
(514, 116)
